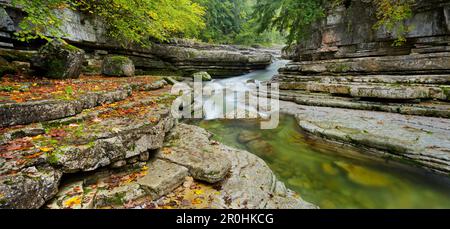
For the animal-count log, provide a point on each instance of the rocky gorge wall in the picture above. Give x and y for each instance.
(89, 33)
(348, 63)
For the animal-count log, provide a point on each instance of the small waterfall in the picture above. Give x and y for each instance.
(232, 92)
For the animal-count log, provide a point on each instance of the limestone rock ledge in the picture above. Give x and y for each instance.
(422, 141)
(175, 178)
(181, 57)
(347, 63)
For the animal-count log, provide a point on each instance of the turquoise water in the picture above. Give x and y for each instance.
(331, 175)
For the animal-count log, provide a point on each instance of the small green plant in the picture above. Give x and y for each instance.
(6, 88)
(69, 91)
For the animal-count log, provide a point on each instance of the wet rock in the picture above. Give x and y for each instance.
(58, 60)
(118, 66)
(204, 76)
(189, 147)
(246, 136)
(30, 188)
(364, 176)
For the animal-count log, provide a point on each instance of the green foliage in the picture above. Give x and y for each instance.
(231, 22)
(128, 21)
(290, 17)
(294, 17)
(391, 15)
(42, 20)
(244, 22)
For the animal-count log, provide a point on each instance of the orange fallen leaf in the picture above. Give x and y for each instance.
(166, 151)
(34, 155)
(197, 201)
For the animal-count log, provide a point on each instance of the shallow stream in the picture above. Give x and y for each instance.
(327, 174)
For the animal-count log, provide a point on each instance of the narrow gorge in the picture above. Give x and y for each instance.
(87, 122)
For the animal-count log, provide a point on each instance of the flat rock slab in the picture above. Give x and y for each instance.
(116, 135)
(117, 188)
(422, 140)
(431, 109)
(192, 148)
(49, 100)
(162, 178)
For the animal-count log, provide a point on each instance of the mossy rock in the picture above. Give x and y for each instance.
(119, 66)
(58, 60)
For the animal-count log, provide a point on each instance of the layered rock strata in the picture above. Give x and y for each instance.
(181, 57)
(234, 179)
(127, 152)
(348, 63)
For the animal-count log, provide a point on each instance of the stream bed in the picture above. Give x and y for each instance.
(331, 175)
(327, 174)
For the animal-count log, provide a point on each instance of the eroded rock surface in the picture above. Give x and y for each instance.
(30, 188)
(191, 147)
(171, 182)
(34, 157)
(424, 141)
(347, 63)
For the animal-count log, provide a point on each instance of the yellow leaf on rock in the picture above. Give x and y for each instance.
(38, 137)
(198, 192)
(73, 201)
(46, 149)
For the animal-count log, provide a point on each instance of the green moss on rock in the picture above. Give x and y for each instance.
(120, 66)
(58, 60)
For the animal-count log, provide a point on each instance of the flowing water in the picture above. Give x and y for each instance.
(328, 174)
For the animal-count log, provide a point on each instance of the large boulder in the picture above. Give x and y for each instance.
(118, 66)
(58, 60)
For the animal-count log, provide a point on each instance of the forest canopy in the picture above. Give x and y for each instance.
(244, 22)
